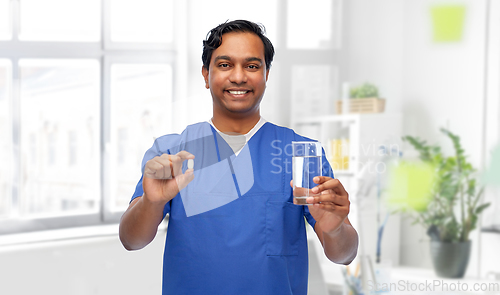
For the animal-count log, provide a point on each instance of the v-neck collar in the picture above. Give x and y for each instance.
(218, 137)
(246, 137)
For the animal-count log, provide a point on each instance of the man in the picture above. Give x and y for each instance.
(233, 228)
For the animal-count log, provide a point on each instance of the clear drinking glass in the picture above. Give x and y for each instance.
(306, 158)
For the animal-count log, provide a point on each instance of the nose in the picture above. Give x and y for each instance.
(238, 75)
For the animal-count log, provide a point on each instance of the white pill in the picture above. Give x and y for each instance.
(190, 163)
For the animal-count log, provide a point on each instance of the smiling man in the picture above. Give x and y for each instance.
(236, 73)
(233, 228)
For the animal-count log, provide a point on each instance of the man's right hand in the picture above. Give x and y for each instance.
(163, 177)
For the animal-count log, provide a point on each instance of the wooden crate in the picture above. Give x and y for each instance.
(363, 105)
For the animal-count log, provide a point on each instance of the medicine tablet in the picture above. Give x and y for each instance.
(190, 163)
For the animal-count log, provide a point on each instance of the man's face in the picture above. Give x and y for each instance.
(237, 74)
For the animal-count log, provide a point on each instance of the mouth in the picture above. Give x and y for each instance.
(238, 92)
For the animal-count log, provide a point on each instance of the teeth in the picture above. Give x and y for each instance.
(238, 92)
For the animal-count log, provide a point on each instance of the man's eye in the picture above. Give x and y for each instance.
(223, 65)
(253, 67)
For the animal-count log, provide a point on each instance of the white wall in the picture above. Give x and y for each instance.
(375, 34)
(443, 82)
(101, 266)
(375, 31)
(433, 84)
(81, 267)
(443, 86)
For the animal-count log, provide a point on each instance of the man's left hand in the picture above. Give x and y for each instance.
(330, 205)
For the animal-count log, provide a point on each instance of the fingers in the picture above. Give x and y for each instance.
(184, 155)
(159, 167)
(326, 183)
(166, 166)
(184, 179)
(329, 197)
(329, 191)
(328, 206)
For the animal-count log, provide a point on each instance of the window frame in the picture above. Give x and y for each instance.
(335, 56)
(106, 53)
(108, 214)
(110, 45)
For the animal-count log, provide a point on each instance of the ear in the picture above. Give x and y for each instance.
(267, 73)
(204, 72)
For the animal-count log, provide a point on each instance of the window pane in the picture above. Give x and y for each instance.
(148, 21)
(309, 24)
(6, 169)
(60, 136)
(206, 15)
(141, 97)
(60, 20)
(313, 89)
(5, 28)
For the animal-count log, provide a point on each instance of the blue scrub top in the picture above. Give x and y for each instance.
(234, 229)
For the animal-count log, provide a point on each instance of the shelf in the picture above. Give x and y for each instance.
(327, 118)
(337, 118)
(491, 229)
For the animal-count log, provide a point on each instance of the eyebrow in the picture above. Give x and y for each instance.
(225, 57)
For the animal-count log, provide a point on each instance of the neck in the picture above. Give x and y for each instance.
(235, 125)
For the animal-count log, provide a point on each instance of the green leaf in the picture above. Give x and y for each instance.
(365, 90)
(454, 204)
(481, 208)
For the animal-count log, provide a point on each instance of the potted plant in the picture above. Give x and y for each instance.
(366, 90)
(453, 207)
(364, 99)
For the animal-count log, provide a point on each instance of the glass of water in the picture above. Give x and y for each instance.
(306, 158)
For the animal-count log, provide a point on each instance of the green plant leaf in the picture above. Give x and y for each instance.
(454, 200)
(481, 208)
(365, 90)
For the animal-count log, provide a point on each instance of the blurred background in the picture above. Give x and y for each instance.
(85, 87)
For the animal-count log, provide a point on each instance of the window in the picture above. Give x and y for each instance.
(312, 89)
(59, 100)
(5, 27)
(141, 96)
(136, 21)
(311, 56)
(71, 21)
(312, 24)
(76, 114)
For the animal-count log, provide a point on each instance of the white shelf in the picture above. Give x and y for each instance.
(326, 118)
(365, 134)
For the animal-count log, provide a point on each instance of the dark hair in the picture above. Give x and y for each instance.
(214, 39)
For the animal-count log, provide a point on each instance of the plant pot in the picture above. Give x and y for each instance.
(363, 105)
(450, 260)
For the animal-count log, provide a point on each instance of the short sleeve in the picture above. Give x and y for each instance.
(139, 192)
(327, 169)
